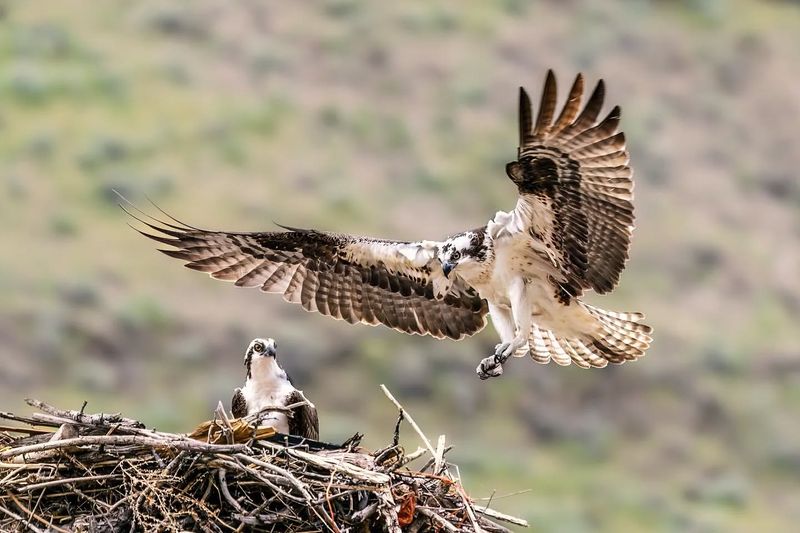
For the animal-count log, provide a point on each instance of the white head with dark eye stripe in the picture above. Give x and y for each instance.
(263, 354)
(463, 250)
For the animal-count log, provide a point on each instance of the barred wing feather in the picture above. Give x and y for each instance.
(573, 173)
(357, 279)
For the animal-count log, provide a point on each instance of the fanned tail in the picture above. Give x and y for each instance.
(619, 337)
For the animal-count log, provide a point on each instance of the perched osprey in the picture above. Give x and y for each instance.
(527, 268)
(267, 385)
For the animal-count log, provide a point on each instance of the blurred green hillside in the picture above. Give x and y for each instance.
(395, 119)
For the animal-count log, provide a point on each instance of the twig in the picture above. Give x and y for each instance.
(430, 461)
(21, 520)
(468, 508)
(78, 416)
(438, 519)
(31, 514)
(494, 496)
(419, 452)
(439, 457)
(29, 431)
(497, 515)
(328, 498)
(467, 504)
(66, 481)
(280, 408)
(23, 419)
(410, 420)
(223, 486)
(364, 514)
(177, 443)
(396, 436)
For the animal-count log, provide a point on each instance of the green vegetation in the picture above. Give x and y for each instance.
(392, 119)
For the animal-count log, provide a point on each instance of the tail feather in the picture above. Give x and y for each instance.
(575, 354)
(539, 351)
(616, 338)
(557, 351)
(595, 360)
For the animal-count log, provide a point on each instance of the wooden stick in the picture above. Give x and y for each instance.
(439, 457)
(409, 457)
(280, 408)
(175, 443)
(438, 519)
(223, 485)
(21, 520)
(29, 431)
(34, 515)
(497, 515)
(24, 419)
(67, 480)
(410, 420)
(80, 417)
(468, 508)
(430, 461)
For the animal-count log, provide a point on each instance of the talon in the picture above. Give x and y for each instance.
(501, 348)
(489, 367)
(503, 356)
(507, 349)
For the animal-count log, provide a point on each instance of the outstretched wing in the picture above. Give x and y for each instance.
(304, 421)
(349, 278)
(575, 186)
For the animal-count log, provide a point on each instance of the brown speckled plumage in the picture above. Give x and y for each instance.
(312, 268)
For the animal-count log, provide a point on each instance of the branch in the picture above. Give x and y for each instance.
(176, 443)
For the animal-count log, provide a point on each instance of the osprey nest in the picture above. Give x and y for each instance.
(70, 471)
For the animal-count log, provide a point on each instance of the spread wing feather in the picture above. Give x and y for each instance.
(575, 171)
(356, 279)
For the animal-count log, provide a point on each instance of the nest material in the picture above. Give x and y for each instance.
(80, 472)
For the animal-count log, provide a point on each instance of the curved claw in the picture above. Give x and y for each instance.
(500, 349)
(489, 367)
(506, 349)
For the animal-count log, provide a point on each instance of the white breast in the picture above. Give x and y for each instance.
(257, 401)
(261, 392)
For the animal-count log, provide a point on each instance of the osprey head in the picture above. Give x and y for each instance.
(261, 358)
(462, 250)
(260, 348)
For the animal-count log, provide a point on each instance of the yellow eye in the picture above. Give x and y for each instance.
(259, 347)
(455, 256)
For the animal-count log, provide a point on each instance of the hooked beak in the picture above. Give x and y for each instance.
(447, 268)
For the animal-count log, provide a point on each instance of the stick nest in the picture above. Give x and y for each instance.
(71, 471)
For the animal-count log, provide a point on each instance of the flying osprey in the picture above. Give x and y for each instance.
(267, 385)
(527, 268)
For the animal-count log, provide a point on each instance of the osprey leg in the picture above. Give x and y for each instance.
(503, 322)
(514, 326)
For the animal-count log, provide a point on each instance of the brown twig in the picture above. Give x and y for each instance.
(33, 515)
(67, 481)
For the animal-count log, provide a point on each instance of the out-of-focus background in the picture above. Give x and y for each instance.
(395, 119)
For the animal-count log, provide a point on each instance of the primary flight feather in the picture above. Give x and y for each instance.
(527, 268)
